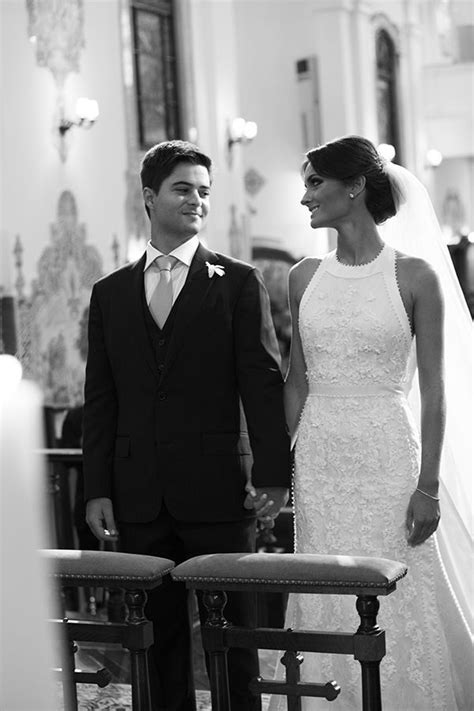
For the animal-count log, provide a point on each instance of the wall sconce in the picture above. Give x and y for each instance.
(240, 131)
(386, 150)
(87, 112)
(434, 158)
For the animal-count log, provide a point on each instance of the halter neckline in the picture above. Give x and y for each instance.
(362, 264)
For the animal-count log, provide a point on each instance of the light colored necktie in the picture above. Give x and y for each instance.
(162, 298)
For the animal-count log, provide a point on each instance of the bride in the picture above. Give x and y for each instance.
(366, 482)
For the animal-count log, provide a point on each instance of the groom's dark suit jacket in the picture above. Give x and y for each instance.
(162, 415)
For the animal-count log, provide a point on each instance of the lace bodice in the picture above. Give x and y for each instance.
(353, 324)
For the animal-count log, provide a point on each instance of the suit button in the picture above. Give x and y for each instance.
(161, 342)
(160, 367)
(161, 396)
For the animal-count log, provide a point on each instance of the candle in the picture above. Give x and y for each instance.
(26, 641)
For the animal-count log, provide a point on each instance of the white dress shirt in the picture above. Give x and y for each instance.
(184, 254)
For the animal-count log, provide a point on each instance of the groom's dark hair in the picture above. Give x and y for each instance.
(160, 161)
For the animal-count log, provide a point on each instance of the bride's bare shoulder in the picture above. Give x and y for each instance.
(414, 271)
(301, 274)
(408, 262)
(304, 270)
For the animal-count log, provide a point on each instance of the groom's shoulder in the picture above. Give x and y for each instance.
(234, 263)
(236, 267)
(118, 278)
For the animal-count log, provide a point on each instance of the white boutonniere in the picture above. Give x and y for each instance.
(214, 269)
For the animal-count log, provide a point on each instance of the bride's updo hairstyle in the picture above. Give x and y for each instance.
(350, 157)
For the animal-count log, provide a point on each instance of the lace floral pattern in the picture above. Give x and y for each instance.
(352, 487)
(357, 460)
(348, 338)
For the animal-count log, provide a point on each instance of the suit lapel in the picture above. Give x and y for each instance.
(190, 300)
(137, 315)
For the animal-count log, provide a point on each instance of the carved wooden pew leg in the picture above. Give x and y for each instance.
(138, 638)
(68, 670)
(368, 607)
(213, 638)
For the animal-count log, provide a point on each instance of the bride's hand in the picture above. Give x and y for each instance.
(422, 518)
(267, 502)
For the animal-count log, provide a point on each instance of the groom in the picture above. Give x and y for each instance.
(183, 402)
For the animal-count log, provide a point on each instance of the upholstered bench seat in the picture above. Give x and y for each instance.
(310, 573)
(107, 569)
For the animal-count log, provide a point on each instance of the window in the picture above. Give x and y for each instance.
(387, 91)
(155, 71)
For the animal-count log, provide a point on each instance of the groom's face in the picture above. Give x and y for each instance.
(180, 208)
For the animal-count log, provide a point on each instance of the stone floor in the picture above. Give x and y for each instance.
(117, 697)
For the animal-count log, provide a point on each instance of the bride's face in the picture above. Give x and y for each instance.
(327, 199)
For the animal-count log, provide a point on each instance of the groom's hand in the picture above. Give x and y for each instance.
(267, 501)
(100, 519)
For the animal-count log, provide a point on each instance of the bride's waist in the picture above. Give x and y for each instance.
(354, 390)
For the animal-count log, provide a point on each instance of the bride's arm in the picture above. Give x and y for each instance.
(428, 312)
(296, 385)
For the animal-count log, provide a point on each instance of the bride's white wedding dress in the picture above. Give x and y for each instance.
(356, 466)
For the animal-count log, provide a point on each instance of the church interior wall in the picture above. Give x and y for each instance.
(97, 158)
(271, 42)
(453, 186)
(34, 175)
(341, 38)
(448, 96)
(214, 76)
(63, 200)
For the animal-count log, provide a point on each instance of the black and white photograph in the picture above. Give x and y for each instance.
(236, 334)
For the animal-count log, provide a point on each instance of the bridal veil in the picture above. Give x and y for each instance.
(415, 230)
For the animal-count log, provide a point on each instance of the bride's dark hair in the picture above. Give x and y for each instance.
(350, 157)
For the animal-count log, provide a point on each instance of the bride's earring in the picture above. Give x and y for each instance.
(351, 195)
